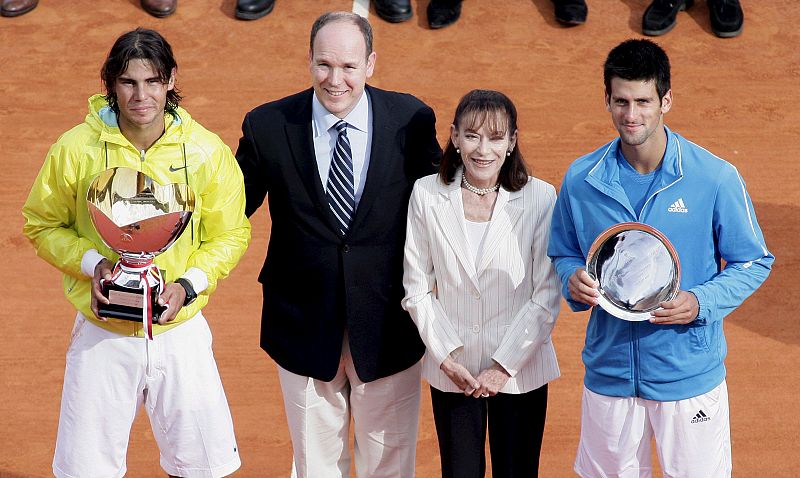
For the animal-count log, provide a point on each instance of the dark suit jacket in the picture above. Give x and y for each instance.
(315, 281)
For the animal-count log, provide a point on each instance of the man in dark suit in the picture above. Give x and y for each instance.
(339, 161)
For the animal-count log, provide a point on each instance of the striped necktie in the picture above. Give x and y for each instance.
(341, 190)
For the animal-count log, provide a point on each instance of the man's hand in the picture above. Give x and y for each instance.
(492, 380)
(582, 288)
(173, 297)
(102, 270)
(460, 376)
(683, 309)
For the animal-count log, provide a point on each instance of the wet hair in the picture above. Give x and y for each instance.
(498, 113)
(638, 60)
(332, 17)
(140, 44)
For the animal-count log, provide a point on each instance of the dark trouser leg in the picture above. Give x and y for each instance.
(516, 426)
(461, 429)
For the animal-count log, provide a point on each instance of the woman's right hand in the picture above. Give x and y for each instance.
(459, 376)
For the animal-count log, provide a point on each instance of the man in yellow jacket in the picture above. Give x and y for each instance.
(111, 369)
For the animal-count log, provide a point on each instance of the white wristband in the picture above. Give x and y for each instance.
(89, 262)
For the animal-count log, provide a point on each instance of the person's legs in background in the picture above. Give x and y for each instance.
(159, 8)
(442, 13)
(726, 16)
(393, 11)
(571, 12)
(15, 8)
(253, 9)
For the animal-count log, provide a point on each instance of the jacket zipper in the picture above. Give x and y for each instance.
(142, 156)
(644, 206)
(635, 347)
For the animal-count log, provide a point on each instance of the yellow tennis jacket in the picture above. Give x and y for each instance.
(57, 219)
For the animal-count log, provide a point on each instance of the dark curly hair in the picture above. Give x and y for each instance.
(140, 44)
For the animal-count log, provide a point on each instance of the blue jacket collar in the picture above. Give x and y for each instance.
(604, 175)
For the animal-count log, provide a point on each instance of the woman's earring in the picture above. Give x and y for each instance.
(508, 153)
(458, 151)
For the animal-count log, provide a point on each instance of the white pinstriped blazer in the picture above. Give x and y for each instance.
(505, 308)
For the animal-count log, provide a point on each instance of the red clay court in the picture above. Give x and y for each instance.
(736, 97)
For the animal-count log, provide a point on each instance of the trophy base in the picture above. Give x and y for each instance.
(126, 303)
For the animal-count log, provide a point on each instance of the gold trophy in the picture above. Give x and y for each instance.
(138, 218)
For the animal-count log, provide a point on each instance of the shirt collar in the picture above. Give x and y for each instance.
(323, 120)
(606, 170)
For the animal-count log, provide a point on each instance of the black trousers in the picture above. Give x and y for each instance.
(515, 425)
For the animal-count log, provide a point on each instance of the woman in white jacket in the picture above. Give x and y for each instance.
(483, 293)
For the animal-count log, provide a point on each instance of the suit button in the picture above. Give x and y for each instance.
(476, 295)
(476, 328)
(345, 248)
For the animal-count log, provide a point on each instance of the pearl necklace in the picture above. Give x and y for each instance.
(479, 191)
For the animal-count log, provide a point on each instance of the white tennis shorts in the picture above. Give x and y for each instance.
(109, 376)
(692, 436)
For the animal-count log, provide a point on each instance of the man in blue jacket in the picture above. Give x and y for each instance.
(663, 377)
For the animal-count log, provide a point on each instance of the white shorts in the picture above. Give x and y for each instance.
(109, 376)
(693, 437)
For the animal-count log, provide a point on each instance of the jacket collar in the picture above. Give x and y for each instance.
(299, 132)
(450, 216)
(604, 175)
(104, 119)
(300, 137)
(382, 152)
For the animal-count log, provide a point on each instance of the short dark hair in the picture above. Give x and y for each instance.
(638, 60)
(140, 44)
(495, 109)
(332, 17)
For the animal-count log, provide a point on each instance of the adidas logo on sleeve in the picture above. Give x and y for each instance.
(678, 206)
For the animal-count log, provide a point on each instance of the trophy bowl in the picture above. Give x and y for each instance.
(138, 218)
(637, 269)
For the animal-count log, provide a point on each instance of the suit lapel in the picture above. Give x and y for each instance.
(450, 216)
(300, 136)
(383, 130)
(506, 214)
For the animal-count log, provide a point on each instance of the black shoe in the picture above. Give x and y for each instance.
(15, 8)
(394, 11)
(571, 12)
(659, 18)
(253, 9)
(443, 13)
(159, 8)
(727, 18)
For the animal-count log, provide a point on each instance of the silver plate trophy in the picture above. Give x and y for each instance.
(139, 219)
(637, 268)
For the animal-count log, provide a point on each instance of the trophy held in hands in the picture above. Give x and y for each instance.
(637, 268)
(139, 219)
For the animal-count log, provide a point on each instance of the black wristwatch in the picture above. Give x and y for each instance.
(191, 295)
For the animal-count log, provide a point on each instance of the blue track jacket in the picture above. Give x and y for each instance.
(702, 206)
